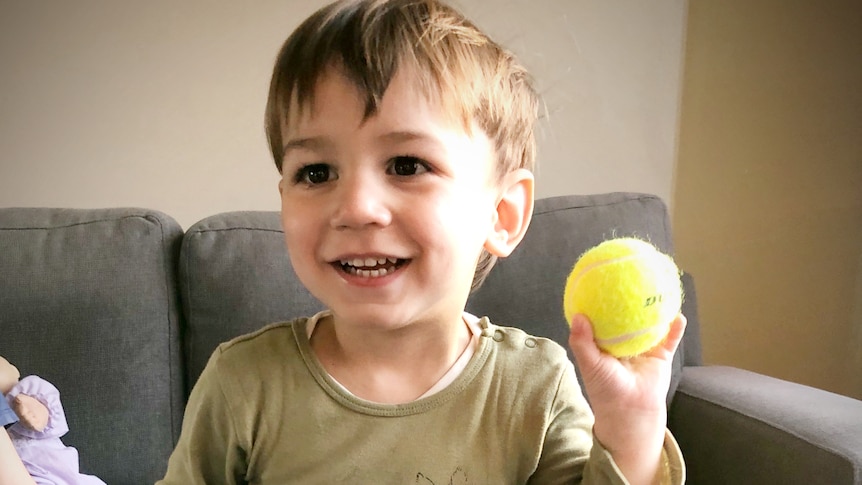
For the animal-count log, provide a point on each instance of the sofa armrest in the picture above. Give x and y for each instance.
(736, 426)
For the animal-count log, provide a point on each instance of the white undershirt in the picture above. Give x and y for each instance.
(472, 323)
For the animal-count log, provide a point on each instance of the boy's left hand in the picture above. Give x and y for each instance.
(627, 396)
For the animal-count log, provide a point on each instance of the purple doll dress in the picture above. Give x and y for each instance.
(48, 460)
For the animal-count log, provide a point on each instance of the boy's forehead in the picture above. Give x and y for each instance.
(331, 87)
(336, 92)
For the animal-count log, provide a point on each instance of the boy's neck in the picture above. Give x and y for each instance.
(389, 366)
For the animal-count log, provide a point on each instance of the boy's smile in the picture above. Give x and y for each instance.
(385, 217)
(371, 267)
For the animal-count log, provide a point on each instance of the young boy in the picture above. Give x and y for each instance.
(404, 137)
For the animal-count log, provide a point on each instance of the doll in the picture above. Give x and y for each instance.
(36, 436)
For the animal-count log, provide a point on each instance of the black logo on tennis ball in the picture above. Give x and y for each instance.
(652, 300)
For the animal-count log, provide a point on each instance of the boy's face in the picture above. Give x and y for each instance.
(385, 218)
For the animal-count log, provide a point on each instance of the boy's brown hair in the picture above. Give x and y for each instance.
(475, 79)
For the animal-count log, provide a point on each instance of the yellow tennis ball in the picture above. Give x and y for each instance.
(630, 291)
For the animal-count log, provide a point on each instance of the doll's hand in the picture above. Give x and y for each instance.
(31, 411)
(627, 397)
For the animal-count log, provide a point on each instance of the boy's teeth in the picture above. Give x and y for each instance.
(369, 267)
(368, 273)
(369, 262)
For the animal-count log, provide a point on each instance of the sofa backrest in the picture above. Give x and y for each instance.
(88, 301)
(235, 275)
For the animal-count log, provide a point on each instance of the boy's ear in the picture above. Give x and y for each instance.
(513, 214)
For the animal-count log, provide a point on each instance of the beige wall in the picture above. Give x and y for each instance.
(768, 192)
(159, 104)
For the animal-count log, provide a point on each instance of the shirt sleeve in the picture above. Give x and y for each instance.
(603, 469)
(571, 455)
(208, 451)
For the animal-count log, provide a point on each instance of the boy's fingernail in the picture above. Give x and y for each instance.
(577, 324)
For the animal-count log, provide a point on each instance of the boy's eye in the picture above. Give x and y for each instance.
(406, 166)
(313, 174)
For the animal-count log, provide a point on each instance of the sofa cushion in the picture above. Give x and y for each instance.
(235, 275)
(88, 302)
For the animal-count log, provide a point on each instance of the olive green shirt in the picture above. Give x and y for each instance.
(264, 411)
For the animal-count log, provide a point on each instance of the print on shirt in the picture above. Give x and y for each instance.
(459, 477)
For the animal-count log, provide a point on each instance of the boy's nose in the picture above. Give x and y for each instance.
(361, 202)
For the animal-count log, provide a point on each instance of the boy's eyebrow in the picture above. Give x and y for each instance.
(321, 142)
(310, 143)
(408, 135)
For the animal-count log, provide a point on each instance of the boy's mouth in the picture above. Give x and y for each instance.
(370, 267)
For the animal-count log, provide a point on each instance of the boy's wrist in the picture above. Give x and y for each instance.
(633, 434)
(636, 450)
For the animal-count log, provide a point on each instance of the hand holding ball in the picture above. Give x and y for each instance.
(630, 291)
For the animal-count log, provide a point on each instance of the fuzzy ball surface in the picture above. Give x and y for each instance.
(630, 291)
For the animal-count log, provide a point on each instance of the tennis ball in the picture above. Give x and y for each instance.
(630, 291)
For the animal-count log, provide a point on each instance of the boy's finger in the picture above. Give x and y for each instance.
(582, 342)
(668, 346)
(674, 335)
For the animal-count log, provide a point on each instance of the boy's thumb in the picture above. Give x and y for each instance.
(581, 328)
(581, 341)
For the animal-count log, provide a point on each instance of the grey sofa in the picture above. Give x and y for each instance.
(120, 308)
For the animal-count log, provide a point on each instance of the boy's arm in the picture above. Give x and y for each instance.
(628, 400)
(208, 451)
(572, 454)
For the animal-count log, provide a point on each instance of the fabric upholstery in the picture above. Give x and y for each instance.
(740, 427)
(690, 347)
(236, 277)
(88, 302)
